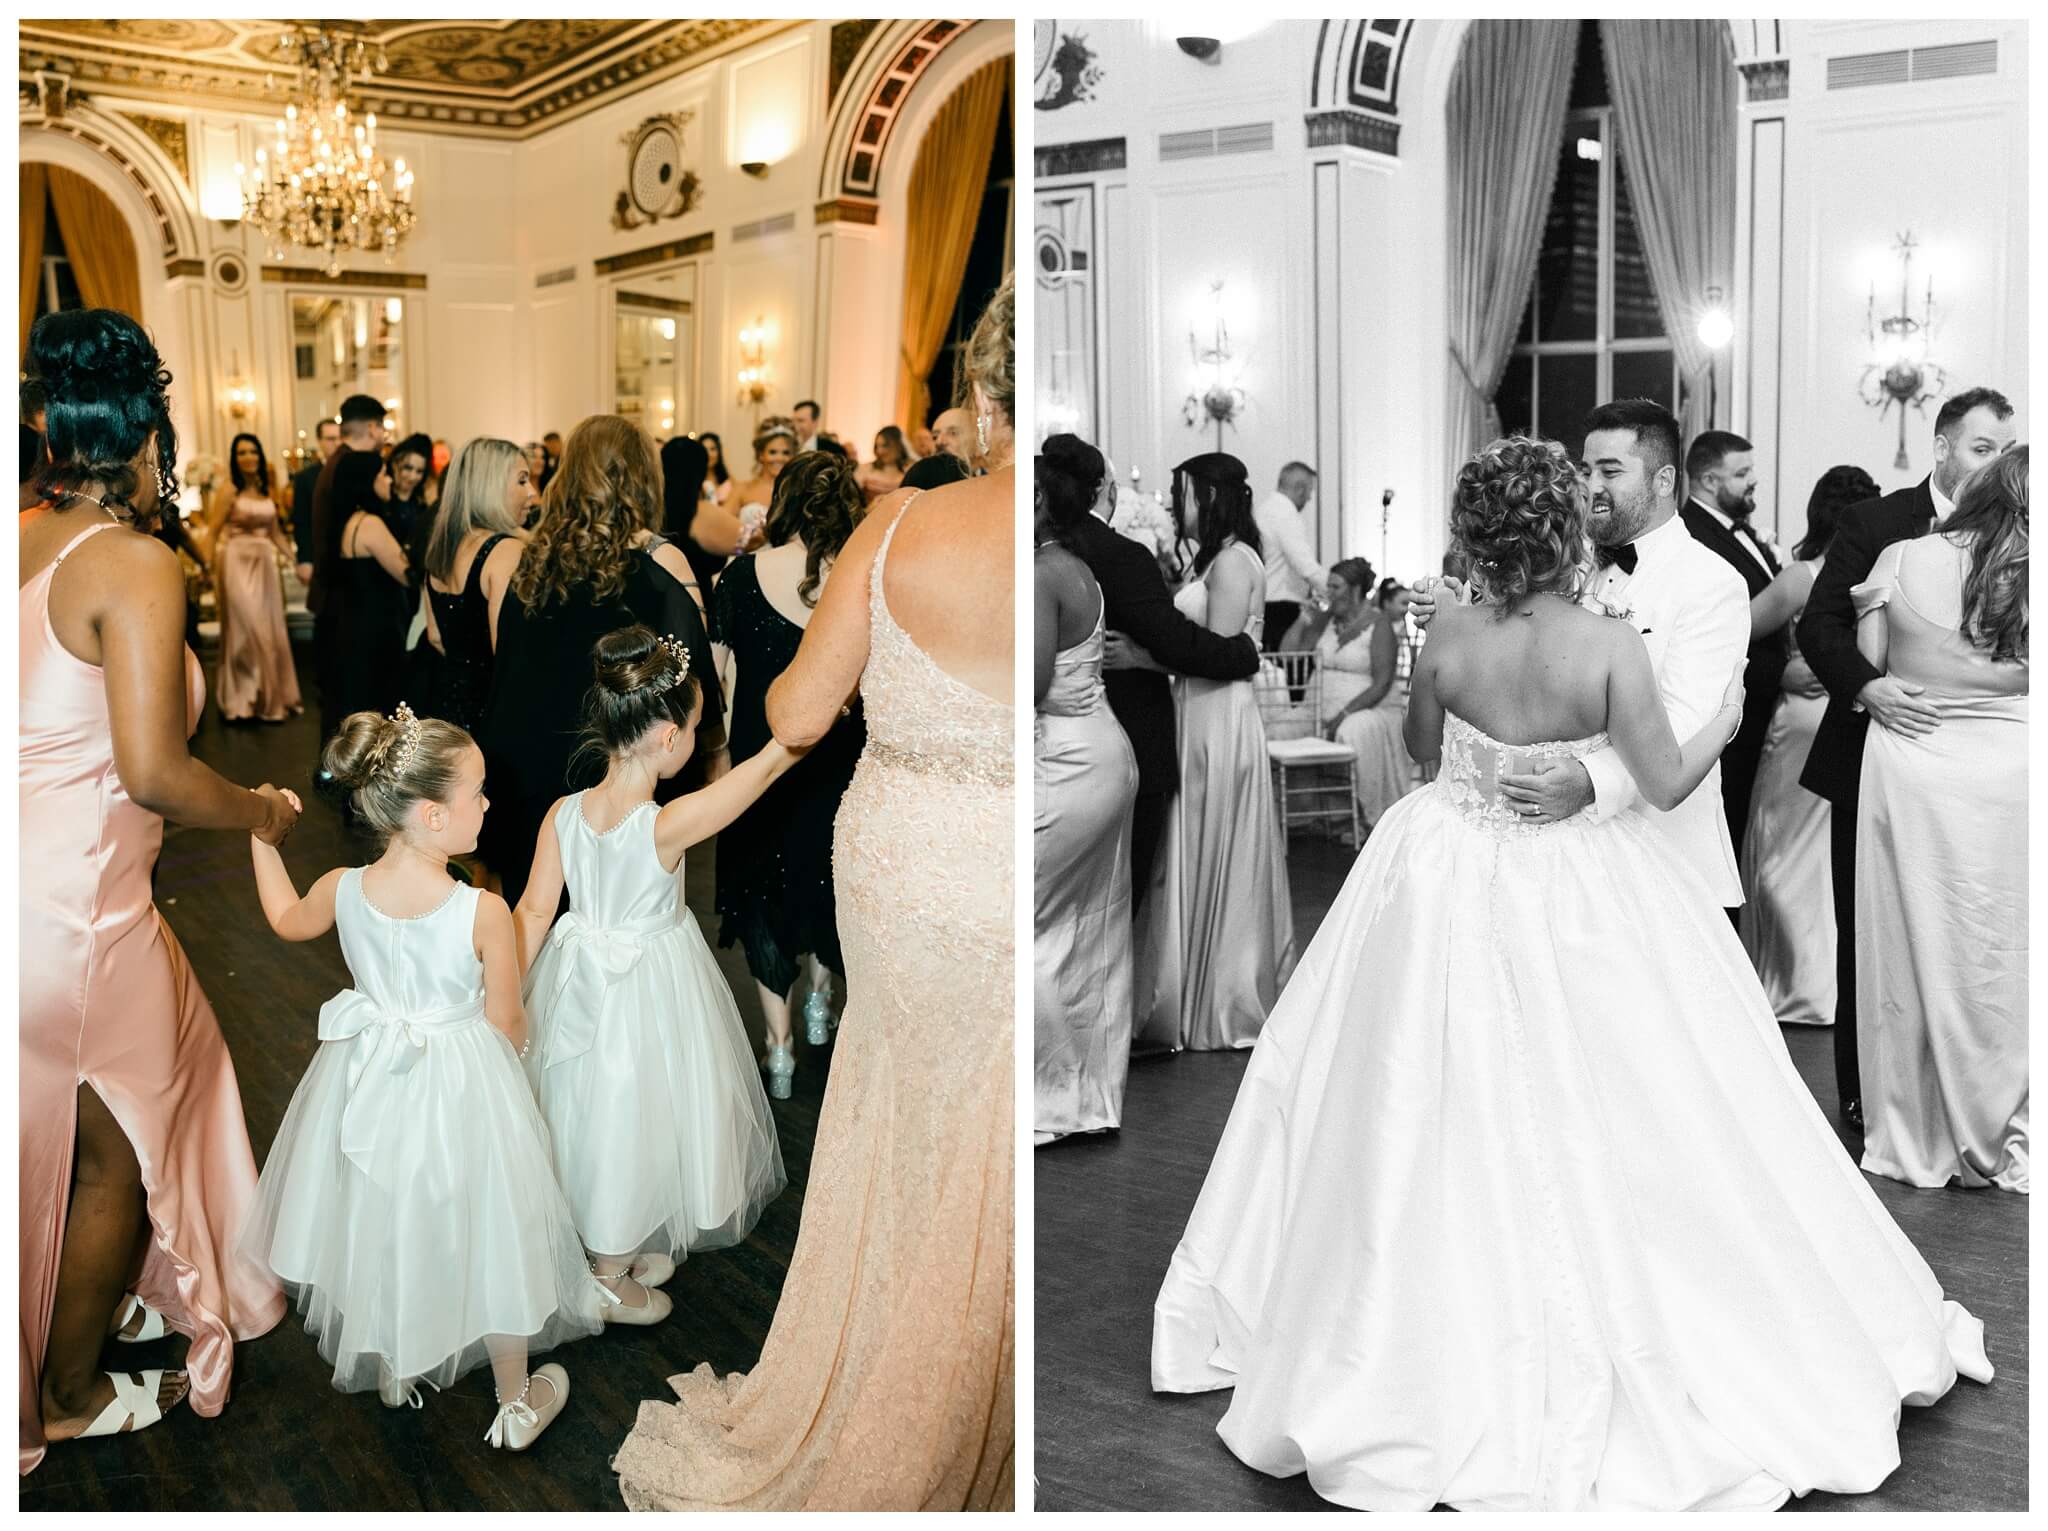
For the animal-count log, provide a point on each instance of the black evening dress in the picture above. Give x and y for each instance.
(371, 612)
(459, 685)
(775, 860)
(533, 721)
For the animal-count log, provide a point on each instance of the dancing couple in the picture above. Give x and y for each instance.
(1522, 1204)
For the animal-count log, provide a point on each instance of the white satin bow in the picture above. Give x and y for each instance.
(594, 959)
(387, 1045)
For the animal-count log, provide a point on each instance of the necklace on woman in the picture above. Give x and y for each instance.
(80, 494)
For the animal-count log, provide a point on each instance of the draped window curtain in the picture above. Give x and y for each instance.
(1505, 111)
(35, 189)
(98, 242)
(1675, 112)
(946, 188)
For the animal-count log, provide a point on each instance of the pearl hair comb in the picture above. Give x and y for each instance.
(408, 739)
(681, 652)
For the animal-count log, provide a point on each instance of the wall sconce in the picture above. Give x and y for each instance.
(1204, 50)
(754, 364)
(758, 169)
(241, 400)
(1900, 373)
(1221, 402)
(1209, 49)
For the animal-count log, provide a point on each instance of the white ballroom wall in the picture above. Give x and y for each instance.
(489, 349)
(1335, 262)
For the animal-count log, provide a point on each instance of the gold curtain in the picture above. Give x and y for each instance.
(35, 190)
(946, 189)
(99, 243)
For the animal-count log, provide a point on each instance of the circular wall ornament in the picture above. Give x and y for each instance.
(229, 274)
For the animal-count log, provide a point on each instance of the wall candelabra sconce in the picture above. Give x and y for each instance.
(1900, 373)
(754, 364)
(1221, 402)
(239, 397)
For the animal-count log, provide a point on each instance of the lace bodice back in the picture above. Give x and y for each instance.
(617, 875)
(1076, 687)
(1474, 762)
(918, 716)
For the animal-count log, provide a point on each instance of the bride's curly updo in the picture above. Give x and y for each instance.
(1518, 518)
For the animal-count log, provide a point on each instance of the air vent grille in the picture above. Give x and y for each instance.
(781, 223)
(555, 278)
(1202, 143)
(1901, 66)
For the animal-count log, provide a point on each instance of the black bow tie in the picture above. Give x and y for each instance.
(1625, 555)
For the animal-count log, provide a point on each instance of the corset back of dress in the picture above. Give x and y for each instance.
(615, 876)
(1474, 762)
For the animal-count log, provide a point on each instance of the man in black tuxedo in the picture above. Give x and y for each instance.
(1135, 602)
(1971, 429)
(305, 489)
(1721, 471)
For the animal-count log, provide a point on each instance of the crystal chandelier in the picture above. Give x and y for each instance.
(321, 185)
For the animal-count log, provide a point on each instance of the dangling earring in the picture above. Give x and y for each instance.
(981, 433)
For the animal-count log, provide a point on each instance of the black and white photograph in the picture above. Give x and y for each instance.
(519, 544)
(1529, 781)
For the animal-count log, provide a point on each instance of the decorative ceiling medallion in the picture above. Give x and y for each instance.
(657, 185)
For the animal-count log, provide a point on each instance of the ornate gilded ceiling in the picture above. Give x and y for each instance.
(495, 78)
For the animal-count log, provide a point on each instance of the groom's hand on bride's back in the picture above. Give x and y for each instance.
(1553, 793)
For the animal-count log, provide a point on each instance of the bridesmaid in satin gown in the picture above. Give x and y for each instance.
(1364, 699)
(1787, 920)
(257, 677)
(1941, 849)
(1216, 928)
(887, 1381)
(1085, 781)
(133, 1150)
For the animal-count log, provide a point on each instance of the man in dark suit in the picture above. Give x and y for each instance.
(1135, 602)
(305, 484)
(1972, 428)
(362, 430)
(1720, 469)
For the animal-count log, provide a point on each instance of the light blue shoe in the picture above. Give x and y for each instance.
(819, 1021)
(781, 1072)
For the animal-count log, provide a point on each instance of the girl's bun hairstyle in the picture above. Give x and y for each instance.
(105, 393)
(1518, 515)
(389, 764)
(640, 680)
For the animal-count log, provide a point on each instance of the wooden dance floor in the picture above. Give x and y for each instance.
(288, 1440)
(1110, 1209)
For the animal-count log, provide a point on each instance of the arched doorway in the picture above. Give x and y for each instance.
(77, 250)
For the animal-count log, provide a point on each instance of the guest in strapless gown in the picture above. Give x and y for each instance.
(1358, 643)
(1522, 1203)
(257, 677)
(1786, 922)
(1941, 849)
(1085, 782)
(1216, 927)
(125, 1080)
(744, 516)
(887, 1380)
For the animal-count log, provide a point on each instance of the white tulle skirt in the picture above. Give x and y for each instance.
(1522, 1204)
(662, 1134)
(412, 1210)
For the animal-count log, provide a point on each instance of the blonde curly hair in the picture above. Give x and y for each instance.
(606, 492)
(1518, 518)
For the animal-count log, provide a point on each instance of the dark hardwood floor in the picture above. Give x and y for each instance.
(1108, 1211)
(288, 1440)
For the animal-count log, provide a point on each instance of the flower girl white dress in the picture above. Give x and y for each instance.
(662, 1135)
(409, 1204)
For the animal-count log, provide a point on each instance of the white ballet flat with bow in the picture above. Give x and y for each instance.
(518, 1424)
(154, 1325)
(618, 1311)
(134, 1406)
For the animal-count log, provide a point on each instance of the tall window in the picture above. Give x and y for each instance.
(1592, 330)
(58, 289)
(989, 260)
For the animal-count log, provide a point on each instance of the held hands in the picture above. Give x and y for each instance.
(282, 810)
(1897, 705)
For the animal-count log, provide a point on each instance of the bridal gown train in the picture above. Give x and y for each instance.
(1522, 1204)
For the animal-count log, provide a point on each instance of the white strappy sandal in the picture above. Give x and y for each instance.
(154, 1325)
(134, 1406)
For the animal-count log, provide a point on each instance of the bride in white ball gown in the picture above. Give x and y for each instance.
(1522, 1204)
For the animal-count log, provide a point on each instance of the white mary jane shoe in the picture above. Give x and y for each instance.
(618, 1311)
(652, 1269)
(518, 1424)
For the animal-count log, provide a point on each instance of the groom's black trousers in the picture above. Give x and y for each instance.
(1148, 823)
(1842, 866)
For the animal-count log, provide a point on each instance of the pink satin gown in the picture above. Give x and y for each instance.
(257, 679)
(108, 1000)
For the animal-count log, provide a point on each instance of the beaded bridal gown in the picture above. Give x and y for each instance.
(1522, 1204)
(887, 1379)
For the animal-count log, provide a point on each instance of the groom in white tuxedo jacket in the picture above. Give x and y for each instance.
(1693, 612)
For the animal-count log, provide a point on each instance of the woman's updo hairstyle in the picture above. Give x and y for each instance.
(640, 680)
(1062, 482)
(1518, 514)
(390, 764)
(992, 351)
(1356, 573)
(770, 428)
(817, 498)
(105, 392)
